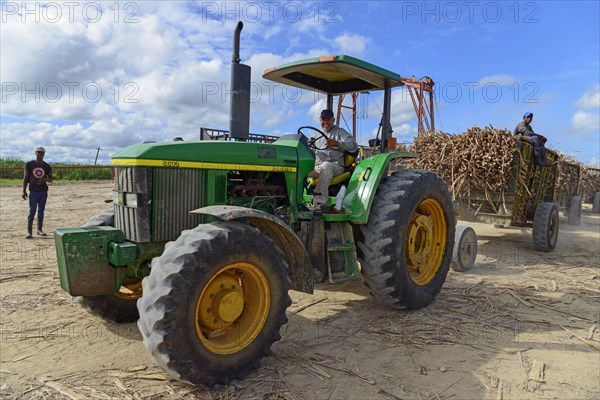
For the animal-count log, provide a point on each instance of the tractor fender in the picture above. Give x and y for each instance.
(294, 252)
(364, 183)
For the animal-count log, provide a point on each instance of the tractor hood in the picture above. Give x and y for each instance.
(211, 155)
(334, 75)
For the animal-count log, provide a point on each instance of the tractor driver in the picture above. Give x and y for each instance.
(329, 161)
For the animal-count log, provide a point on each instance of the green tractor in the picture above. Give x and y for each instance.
(206, 238)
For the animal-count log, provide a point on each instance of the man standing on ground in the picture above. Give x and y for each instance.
(37, 173)
(330, 161)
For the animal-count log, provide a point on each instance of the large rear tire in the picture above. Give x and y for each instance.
(214, 303)
(406, 246)
(545, 227)
(574, 211)
(465, 249)
(119, 307)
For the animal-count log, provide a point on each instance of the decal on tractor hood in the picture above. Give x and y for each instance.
(137, 162)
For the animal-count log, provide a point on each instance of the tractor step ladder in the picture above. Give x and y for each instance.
(342, 262)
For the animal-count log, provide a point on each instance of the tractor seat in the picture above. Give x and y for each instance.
(349, 164)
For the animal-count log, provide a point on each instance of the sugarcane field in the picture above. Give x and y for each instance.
(519, 324)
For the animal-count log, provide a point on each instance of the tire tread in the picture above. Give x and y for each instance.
(382, 273)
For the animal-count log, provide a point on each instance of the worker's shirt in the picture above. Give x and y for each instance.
(36, 171)
(524, 129)
(335, 154)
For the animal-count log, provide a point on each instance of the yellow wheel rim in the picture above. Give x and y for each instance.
(232, 308)
(426, 241)
(130, 291)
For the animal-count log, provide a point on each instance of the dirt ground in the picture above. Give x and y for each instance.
(521, 324)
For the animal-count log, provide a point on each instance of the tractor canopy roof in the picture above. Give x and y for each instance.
(333, 75)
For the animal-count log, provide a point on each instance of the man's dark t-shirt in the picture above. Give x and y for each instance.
(36, 172)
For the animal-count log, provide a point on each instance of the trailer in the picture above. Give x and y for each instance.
(568, 195)
(528, 201)
(589, 186)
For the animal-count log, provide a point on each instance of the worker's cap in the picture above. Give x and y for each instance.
(528, 114)
(326, 114)
(40, 149)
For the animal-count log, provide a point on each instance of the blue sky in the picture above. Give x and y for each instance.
(81, 75)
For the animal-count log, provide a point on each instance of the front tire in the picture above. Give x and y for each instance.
(406, 246)
(214, 303)
(119, 307)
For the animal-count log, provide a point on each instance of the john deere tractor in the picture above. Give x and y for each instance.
(206, 238)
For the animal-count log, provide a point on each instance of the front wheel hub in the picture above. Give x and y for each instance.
(232, 308)
(228, 305)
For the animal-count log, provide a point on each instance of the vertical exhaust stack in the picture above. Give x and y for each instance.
(239, 111)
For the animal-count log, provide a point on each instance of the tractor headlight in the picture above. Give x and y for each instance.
(125, 199)
(118, 198)
(131, 200)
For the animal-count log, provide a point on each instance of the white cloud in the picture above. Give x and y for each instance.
(165, 75)
(584, 121)
(405, 130)
(590, 99)
(351, 43)
(166, 57)
(308, 26)
(500, 79)
(587, 121)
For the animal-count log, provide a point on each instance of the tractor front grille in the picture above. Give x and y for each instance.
(175, 193)
(165, 198)
(134, 221)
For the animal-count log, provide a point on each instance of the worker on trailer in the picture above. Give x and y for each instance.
(524, 129)
(329, 161)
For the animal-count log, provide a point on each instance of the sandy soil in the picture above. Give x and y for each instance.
(521, 324)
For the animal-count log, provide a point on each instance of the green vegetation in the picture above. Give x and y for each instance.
(64, 173)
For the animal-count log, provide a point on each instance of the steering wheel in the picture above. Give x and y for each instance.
(313, 140)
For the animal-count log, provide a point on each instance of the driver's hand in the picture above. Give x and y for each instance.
(332, 143)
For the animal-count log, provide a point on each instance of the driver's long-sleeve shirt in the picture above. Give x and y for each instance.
(336, 154)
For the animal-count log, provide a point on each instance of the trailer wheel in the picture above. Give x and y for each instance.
(545, 226)
(596, 203)
(118, 307)
(574, 211)
(465, 249)
(406, 246)
(214, 303)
